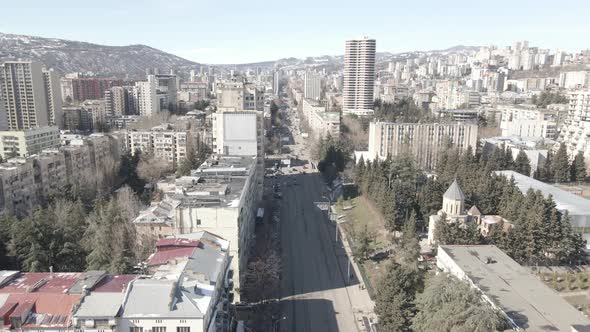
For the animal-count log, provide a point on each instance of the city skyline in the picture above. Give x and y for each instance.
(213, 33)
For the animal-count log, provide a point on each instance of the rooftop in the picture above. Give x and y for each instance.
(100, 305)
(171, 302)
(523, 297)
(454, 192)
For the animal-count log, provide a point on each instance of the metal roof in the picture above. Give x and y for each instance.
(100, 305)
(454, 192)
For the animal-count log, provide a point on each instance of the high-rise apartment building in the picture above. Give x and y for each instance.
(79, 89)
(276, 82)
(119, 101)
(422, 140)
(157, 93)
(359, 76)
(577, 124)
(312, 86)
(29, 95)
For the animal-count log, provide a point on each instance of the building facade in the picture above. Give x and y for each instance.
(422, 140)
(312, 86)
(24, 143)
(27, 91)
(359, 76)
(575, 132)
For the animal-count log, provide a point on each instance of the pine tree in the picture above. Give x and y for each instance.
(522, 163)
(409, 245)
(508, 159)
(394, 301)
(578, 168)
(561, 166)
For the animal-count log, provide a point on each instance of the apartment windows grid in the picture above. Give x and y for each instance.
(183, 329)
(135, 329)
(159, 328)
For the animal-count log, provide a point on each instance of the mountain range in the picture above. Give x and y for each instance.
(68, 56)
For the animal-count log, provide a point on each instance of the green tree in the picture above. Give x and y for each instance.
(409, 244)
(456, 233)
(578, 168)
(522, 163)
(448, 305)
(394, 302)
(561, 170)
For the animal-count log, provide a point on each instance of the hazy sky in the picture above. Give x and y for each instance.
(238, 31)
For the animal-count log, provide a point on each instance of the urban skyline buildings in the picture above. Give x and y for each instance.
(359, 76)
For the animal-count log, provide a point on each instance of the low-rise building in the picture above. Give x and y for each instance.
(521, 297)
(320, 122)
(23, 143)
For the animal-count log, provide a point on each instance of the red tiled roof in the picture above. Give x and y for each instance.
(44, 282)
(114, 283)
(162, 257)
(175, 242)
(50, 309)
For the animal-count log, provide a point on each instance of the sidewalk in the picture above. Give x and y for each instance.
(359, 296)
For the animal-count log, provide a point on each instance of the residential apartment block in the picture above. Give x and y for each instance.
(162, 141)
(320, 122)
(157, 93)
(575, 132)
(27, 182)
(528, 121)
(219, 197)
(312, 88)
(359, 76)
(29, 96)
(24, 143)
(79, 89)
(422, 140)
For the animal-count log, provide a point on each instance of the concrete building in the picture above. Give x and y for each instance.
(320, 122)
(521, 297)
(532, 147)
(186, 291)
(220, 197)
(163, 141)
(18, 190)
(29, 95)
(312, 85)
(51, 178)
(575, 132)
(79, 89)
(95, 111)
(422, 140)
(157, 93)
(528, 121)
(577, 207)
(359, 76)
(119, 101)
(23, 143)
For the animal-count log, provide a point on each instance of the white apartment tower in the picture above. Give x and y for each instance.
(576, 128)
(313, 86)
(31, 95)
(359, 76)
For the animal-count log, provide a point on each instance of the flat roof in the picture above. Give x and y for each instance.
(528, 302)
(100, 305)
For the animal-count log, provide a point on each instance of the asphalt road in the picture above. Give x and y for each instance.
(313, 293)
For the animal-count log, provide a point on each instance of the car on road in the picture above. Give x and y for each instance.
(278, 195)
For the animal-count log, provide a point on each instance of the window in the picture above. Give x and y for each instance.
(135, 328)
(183, 329)
(159, 328)
(198, 221)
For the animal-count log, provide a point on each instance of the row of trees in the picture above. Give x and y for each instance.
(332, 155)
(558, 169)
(403, 110)
(548, 98)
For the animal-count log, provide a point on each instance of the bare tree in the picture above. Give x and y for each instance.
(261, 281)
(152, 168)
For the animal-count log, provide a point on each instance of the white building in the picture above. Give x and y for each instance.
(312, 85)
(157, 93)
(526, 302)
(162, 141)
(23, 143)
(30, 95)
(528, 121)
(575, 132)
(423, 140)
(359, 76)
